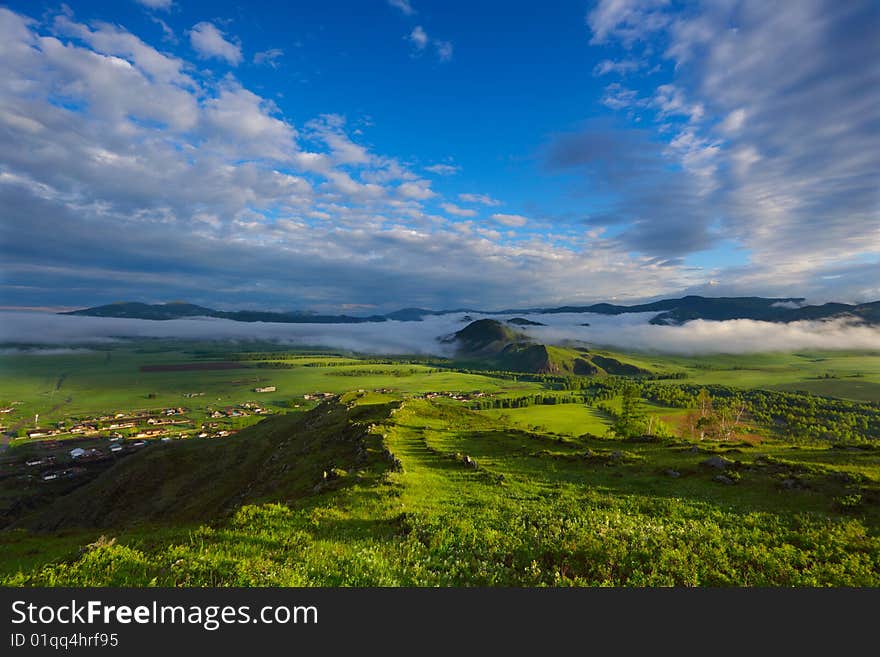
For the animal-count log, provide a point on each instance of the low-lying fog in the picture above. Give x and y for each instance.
(626, 332)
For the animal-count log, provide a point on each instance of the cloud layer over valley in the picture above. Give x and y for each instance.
(624, 332)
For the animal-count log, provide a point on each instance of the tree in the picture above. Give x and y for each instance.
(631, 421)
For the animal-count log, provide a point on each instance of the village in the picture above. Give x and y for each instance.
(455, 396)
(72, 447)
(75, 446)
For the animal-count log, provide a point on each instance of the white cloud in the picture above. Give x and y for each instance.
(444, 50)
(404, 6)
(156, 4)
(618, 97)
(109, 39)
(778, 163)
(268, 57)
(443, 169)
(209, 41)
(628, 332)
(418, 189)
(248, 118)
(739, 336)
(418, 37)
(621, 67)
(627, 20)
(343, 182)
(181, 170)
(329, 128)
(484, 199)
(510, 219)
(671, 101)
(167, 32)
(420, 40)
(453, 209)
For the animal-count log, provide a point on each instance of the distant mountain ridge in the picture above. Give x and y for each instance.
(166, 311)
(668, 311)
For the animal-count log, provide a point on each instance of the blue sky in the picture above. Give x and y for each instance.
(385, 153)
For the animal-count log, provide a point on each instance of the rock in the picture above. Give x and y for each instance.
(723, 479)
(672, 473)
(717, 462)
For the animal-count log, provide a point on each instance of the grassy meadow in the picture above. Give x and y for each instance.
(396, 478)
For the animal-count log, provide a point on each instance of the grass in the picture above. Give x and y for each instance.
(857, 374)
(378, 488)
(568, 419)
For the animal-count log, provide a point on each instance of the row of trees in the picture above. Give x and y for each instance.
(721, 411)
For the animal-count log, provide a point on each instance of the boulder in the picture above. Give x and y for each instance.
(717, 462)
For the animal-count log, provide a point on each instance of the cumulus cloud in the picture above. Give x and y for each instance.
(510, 219)
(483, 199)
(418, 37)
(418, 189)
(455, 210)
(627, 20)
(210, 42)
(404, 6)
(127, 172)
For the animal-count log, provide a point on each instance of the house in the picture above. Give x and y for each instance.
(265, 389)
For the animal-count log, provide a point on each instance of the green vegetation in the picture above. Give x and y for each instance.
(489, 344)
(413, 471)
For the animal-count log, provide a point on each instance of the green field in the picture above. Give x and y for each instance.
(414, 473)
(568, 419)
(856, 375)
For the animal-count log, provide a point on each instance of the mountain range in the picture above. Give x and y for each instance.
(667, 311)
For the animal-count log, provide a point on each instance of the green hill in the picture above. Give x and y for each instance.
(489, 344)
(484, 337)
(281, 459)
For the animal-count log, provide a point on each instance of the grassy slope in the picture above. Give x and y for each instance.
(532, 509)
(568, 419)
(281, 459)
(541, 506)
